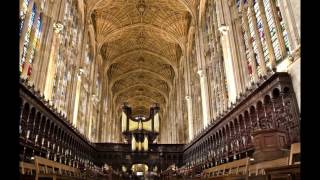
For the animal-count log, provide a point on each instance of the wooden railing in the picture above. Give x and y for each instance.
(44, 168)
(270, 104)
(47, 133)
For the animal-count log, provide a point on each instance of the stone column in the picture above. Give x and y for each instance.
(181, 131)
(91, 124)
(204, 97)
(109, 114)
(52, 65)
(291, 21)
(272, 57)
(190, 120)
(77, 98)
(100, 128)
(232, 88)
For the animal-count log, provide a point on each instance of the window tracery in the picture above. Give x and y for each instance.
(84, 97)
(66, 56)
(31, 35)
(213, 52)
(273, 16)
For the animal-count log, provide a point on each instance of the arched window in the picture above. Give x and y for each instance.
(66, 57)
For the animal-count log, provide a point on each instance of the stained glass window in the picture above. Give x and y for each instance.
(261, 32)
(23, 12)
(27, 38)
(66, 56)
(272, 29)
(238, 3)
(247, 55)
(36, 39)
(252, 37)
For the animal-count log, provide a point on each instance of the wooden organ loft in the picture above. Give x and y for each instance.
(139, 130)
(257, 138)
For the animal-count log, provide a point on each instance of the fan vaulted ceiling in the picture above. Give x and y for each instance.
(141, 42)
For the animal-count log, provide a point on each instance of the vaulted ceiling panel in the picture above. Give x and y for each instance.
(141, 42)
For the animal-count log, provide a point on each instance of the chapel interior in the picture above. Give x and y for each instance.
(159, 89)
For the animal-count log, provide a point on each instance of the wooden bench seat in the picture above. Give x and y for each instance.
(259, 168)
(50, 169)
(238, 167)
(27, 168)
